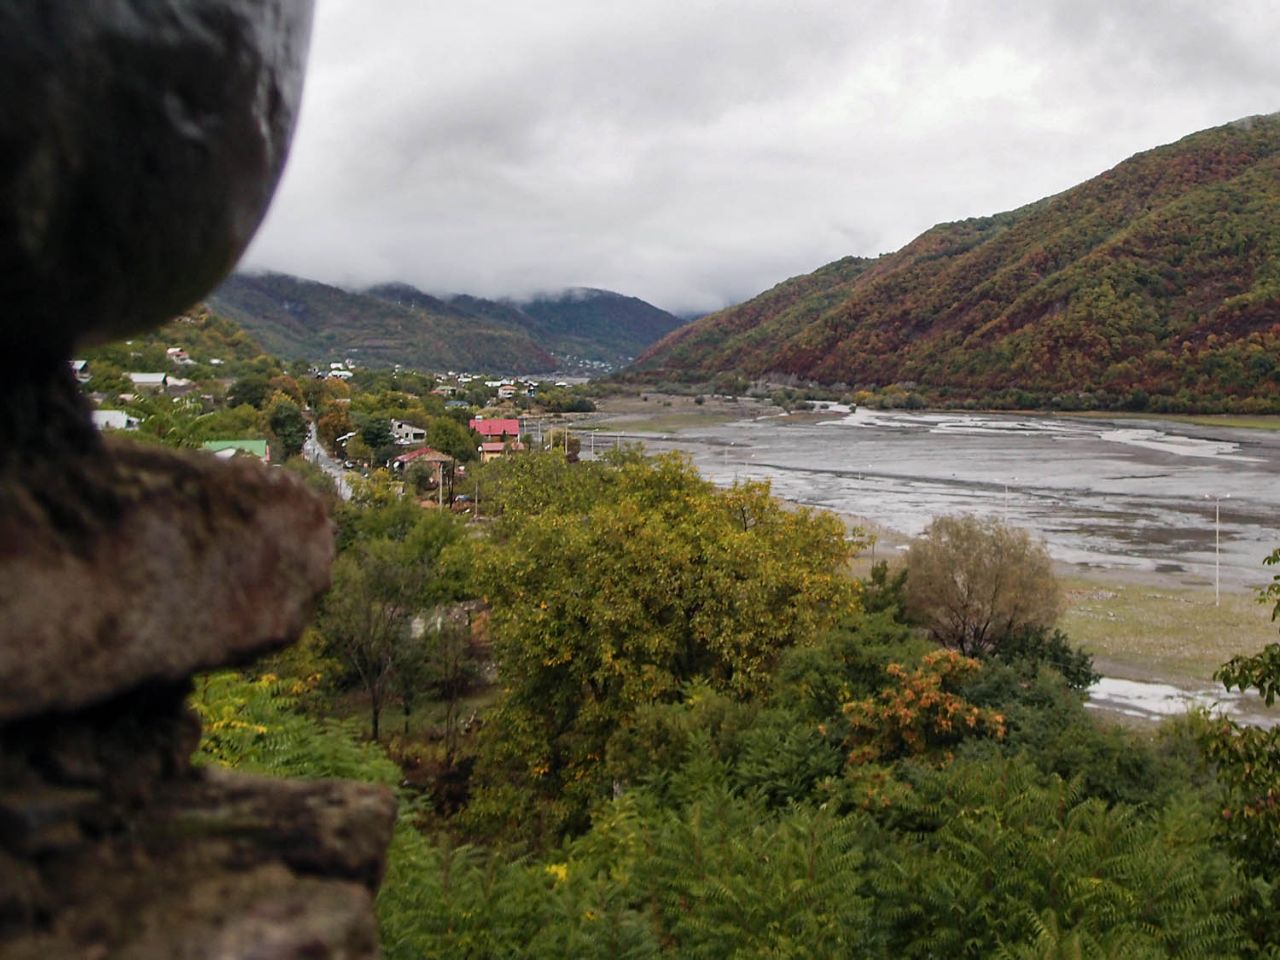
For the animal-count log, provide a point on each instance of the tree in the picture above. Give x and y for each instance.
(1246, 760)
(287, 423)
(616, 595)
(365, 618)
(253, 389)
(332, 424)
(449, 436)
(377, 433)
(448, 667)
(921, 712)
(974, 582)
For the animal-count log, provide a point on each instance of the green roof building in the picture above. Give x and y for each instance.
(229, 448)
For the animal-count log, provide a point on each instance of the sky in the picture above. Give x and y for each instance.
(695, 153)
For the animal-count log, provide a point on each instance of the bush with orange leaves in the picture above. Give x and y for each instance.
(921, 713)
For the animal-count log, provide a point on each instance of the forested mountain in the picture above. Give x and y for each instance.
(580, 323)
(303, 319)
(597, 324)
(397, 323)
(1156, 282)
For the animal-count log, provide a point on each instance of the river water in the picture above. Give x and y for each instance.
(1128, 495)
(1110, 494)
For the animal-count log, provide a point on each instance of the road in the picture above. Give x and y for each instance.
(315, 452)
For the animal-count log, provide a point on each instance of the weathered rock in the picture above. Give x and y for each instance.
(140, 142)
(163, 564)
(138, 150)
(329, 828)
(299, 859)
(266, 913)
(124, 748)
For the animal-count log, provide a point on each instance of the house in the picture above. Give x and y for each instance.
(407, 433)
(114, 420)
(506, 391)
(226, 449)
(496, 448)
(148, 381)
(81, 370)
(433, 459)
(423, 454)
(498, 429)
(179, 356)
(178, 386)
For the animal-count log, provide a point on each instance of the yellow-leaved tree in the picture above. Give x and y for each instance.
(640, 579)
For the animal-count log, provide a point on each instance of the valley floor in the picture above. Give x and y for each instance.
(1142, 621)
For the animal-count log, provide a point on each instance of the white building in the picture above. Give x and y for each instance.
(407, 433)
(148, 381)
(114, 420)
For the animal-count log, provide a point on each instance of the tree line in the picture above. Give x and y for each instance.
(698, 735)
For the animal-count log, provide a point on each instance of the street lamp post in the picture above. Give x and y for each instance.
(1217, 544)
(1006, 497)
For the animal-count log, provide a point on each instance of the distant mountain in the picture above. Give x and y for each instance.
(397, 323)
(597, 324)
(303, 319)
(1157, 282)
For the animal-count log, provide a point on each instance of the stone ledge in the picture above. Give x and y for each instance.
(184, 563)
(220, 864)
(330, 828)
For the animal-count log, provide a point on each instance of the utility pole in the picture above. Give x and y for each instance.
(1006, 497)
(1217, 545)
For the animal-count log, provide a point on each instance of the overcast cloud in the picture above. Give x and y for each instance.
(694, 153)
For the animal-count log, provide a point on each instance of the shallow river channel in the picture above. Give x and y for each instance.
(1123, 494)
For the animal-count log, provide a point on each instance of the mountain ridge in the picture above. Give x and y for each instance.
(396, 323)
(1158, 278)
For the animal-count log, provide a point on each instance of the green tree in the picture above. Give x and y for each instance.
(287, 424)
(660, 580)
(253, 389)
(377, 433)
(449, 436)
(974, 582)
(366, 617)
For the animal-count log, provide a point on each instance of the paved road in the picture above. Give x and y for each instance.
(315, 452)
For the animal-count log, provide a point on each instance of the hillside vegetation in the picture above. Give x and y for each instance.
(305, 320)
(397, 323)
(1155, 284)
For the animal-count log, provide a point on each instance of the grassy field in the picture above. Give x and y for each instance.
(1231, 421)
(1140, 631)
(668, 413)
(663, 421)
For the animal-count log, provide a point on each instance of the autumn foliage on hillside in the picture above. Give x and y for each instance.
(1155, 284)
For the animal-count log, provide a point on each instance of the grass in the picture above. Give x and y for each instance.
(1233, 421)
(665, 421)
(1176, 634)
(1240, 421)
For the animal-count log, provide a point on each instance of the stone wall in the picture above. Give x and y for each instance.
(133, 170)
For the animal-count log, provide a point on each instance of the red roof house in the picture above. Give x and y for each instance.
(498, 429)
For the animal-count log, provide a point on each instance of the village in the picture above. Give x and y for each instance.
(201, 383)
